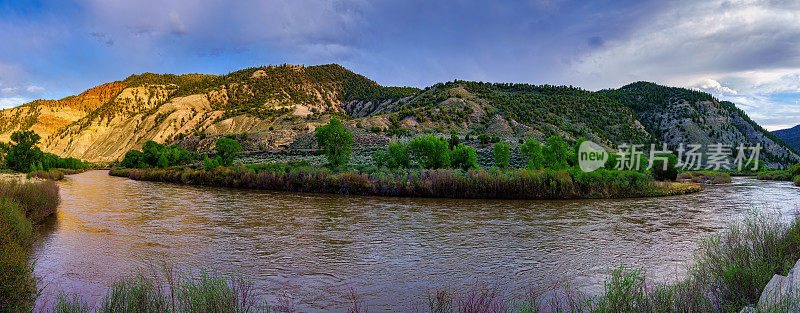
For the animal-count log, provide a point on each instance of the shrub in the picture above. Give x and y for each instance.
(336, 141)
(572, 154)
(775, 175)
(794, 170)
(210, 163)
(453, 142)
(430, 152)
(464, 157)
(50, 175)
(478, 183)
(502, 153)
(484, 139)
(396, 155)
(227, 150)
(665, 170)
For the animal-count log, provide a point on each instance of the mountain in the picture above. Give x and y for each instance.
(790, 136)
(279, 107)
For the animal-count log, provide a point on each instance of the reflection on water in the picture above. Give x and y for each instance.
(392, 251)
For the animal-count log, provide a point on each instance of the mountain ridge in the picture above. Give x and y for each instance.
(790, 136)
(280, 105)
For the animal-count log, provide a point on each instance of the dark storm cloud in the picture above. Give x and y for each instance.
(742, 48)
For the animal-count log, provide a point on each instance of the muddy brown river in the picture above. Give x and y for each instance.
(393, 252)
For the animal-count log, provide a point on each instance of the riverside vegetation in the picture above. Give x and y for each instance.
(21, 206)
(426, 166)
(23, 155)
(791, 174)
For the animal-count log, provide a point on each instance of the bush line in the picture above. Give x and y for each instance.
(443, 183)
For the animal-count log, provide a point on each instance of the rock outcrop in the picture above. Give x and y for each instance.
(782, 294)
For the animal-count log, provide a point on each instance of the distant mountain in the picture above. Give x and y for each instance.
(280, 106)
(790, 136)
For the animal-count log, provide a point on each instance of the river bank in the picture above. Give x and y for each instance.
(443, 183)
(22, 205)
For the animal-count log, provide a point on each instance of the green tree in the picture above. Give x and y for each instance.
(336, 141)
(163, 161)
(23, 153)
(151, 152)
(133, 159)
(227, 150)
(532, 149)
(502, 153)
(573, 154)
(464, 157)
(554, 153)
(430, 151)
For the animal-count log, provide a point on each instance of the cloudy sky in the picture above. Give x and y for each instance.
(739, 50)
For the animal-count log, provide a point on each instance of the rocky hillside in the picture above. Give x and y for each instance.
(280, 106)
(678, 115)
(790, 136)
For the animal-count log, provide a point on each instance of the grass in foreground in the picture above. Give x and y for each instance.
(164, 292)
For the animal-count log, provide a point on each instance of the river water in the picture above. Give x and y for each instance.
(392, 252)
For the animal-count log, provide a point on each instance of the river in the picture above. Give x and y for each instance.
(393, 252)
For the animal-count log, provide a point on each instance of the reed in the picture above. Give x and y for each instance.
(490, 183)
(775, 175)
(165, 292)
(21, 206)
(51, 174)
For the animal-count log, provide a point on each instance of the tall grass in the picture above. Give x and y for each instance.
(21, 206)
(449, 183)
(149, 291)
(775, 175)
(706, 177)
(737, 264)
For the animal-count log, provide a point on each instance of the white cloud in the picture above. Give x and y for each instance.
(749, 49)
(713, 86)
(6, 103)
(34, 89)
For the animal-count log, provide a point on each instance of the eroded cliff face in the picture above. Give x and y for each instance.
(103, 123)
(47, 117)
